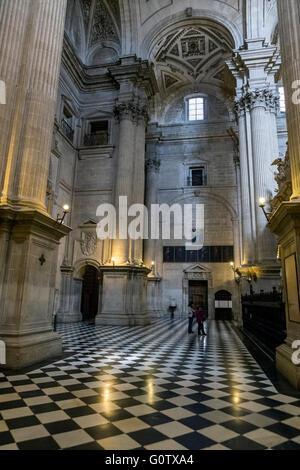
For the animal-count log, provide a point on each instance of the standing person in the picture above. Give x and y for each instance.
(200, 318)
(172, 308)
(191, 313)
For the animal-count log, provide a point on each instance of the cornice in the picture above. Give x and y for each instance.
(78, 72)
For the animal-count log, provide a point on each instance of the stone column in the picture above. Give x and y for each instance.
(254, 67)
(152, 169)
(125, 277)
(289, 14)
(30, 141)
(285, 222)
(14, 18)
(248, 254)
(139, 175)
(263, 136)
(126, 113)
(29, 237)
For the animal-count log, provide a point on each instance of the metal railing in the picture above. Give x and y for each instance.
(67, 130)
(94, 140)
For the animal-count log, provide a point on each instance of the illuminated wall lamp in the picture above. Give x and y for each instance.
(66, 209)
(262, 205)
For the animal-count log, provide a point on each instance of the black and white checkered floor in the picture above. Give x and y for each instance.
(152, 388)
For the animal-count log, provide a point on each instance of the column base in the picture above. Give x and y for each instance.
(68, 317)
(23, 351)
(29, 243)
(154, 310)
(286, 366)
(124, 296)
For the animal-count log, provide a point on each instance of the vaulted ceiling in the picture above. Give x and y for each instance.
(95, 29)
(192, 54)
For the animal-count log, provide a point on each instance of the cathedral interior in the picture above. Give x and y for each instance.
(164, 102)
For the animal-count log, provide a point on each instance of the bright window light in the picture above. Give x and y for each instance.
(196, 109)
(282, 99)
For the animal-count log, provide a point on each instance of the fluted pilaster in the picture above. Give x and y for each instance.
(261, 103)
(152, 173)
(289, 14)
(126, 114)
(248, 249)
(139, 174)
(27, 166)
(14, 16)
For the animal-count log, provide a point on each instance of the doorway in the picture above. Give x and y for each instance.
(198, 294)
(223, 305)
(90, 294)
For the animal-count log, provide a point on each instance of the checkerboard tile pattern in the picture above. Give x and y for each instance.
(154, 388)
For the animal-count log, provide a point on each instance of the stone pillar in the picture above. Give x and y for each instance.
(289, 14)
(285, 222)
(248, 254)
(36, 95)
(125, 277)
(126, 114)
(139, 175)
(14, 18)
(152, 169)
(29, 237)
(254, 67)
(263, 137)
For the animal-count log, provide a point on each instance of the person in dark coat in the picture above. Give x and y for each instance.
(200, 319)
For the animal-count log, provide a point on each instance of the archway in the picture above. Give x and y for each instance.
(90, 294)
(223, 305)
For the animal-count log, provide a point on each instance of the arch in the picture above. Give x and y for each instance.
(90, 293)
(223, 305)
(80, 265)
(223, 295)
(216, 197)
(110, 51)
(184, 90)
(165, 26)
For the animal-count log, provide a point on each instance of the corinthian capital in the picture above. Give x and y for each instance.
(142, 113)
(126, 111)
(265, 97)
(240, 106)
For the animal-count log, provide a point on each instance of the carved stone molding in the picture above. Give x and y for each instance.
(152, 165)
(132, 111)
(88, 243)
(240, 107)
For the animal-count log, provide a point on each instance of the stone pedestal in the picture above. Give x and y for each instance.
(153, 297)
(285, 223)
(124, 296)
(29, 245)
(70, 297)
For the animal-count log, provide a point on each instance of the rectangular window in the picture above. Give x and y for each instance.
(99, 134)
(282, 100)
(197, 177)
(196, 109)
